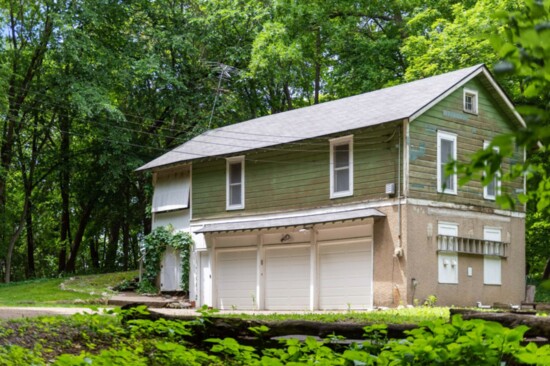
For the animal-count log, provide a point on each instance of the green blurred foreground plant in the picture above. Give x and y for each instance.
(111, 340)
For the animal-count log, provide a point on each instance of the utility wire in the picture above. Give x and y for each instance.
(197, 155)
(176, 130)
(323, 140)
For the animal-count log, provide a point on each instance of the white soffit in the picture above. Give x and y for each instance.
(291, 221)
(171, 192)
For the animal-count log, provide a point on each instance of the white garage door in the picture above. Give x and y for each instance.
(236, 279)
(345, 274)
(287, 274)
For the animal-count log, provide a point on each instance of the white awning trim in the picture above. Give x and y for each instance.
(291, 221)
(171, 192)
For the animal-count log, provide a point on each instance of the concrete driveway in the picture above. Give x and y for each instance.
(25, 312)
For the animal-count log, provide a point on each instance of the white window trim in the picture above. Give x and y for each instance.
(441, 135)
(488, 231)
(345, 140)
(229, 161)
(476, 101)
(486, 194)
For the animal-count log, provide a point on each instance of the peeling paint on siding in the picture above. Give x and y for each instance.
(456, 115)
(417, 152)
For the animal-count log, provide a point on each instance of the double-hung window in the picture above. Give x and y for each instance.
(491, 190)
(341, 167)
(446, 152)
(235, 183)
(470, 101)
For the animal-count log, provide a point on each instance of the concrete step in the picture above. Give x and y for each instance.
(160, 301)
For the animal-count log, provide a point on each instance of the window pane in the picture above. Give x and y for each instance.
(235, 173)
(447, 181)
(492, 187)
(341, 156)
(341, 178)
(446, 151)
(235, 195)
(468, 102)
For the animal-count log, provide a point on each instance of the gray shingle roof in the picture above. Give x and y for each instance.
(377, 107)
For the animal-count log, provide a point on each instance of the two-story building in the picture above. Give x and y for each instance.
(347, 205)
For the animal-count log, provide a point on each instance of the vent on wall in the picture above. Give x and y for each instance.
(390, 188)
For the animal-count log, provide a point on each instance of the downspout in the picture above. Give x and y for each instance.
(398, 252)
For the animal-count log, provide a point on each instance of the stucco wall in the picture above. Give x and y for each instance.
(421, 254)
(389, 270)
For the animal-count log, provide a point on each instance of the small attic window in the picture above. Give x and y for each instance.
(470, 101)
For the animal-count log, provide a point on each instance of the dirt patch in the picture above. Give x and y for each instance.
(53, 339)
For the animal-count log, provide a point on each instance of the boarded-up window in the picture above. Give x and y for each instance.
(171, 192)
(492, 265)
(447, 262)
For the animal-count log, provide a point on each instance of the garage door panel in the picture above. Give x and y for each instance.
(345, 274)
(287, 278)
(236, 271)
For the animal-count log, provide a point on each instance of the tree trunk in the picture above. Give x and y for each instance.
(288, 97)
(94, 252)
(64, 180)
(546, 273)
(317, 65)
(240, 329)
(31, 272)
(13, 240)
(125, 245)
(538, 326)
(84, 219)
(112, 247)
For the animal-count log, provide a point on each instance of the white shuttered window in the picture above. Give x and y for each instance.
(171, 192)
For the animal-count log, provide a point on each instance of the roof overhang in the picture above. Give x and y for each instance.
(290, 221)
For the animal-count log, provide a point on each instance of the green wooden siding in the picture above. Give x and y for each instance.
(471, 131)
(297, 176)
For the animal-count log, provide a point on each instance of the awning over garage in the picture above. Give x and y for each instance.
(291, 221)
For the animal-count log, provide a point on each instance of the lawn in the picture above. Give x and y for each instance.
(394, 316)
(69, 291)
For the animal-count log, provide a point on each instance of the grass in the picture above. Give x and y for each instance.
(98, 284)
(543, 293)
(394, 316)
(73, 291)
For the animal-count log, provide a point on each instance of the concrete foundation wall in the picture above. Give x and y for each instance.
(390, 288)
(422, 256)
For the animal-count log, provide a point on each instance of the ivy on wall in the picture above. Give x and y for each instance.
(154, 245)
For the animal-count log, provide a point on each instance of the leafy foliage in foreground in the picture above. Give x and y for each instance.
(108, 340)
